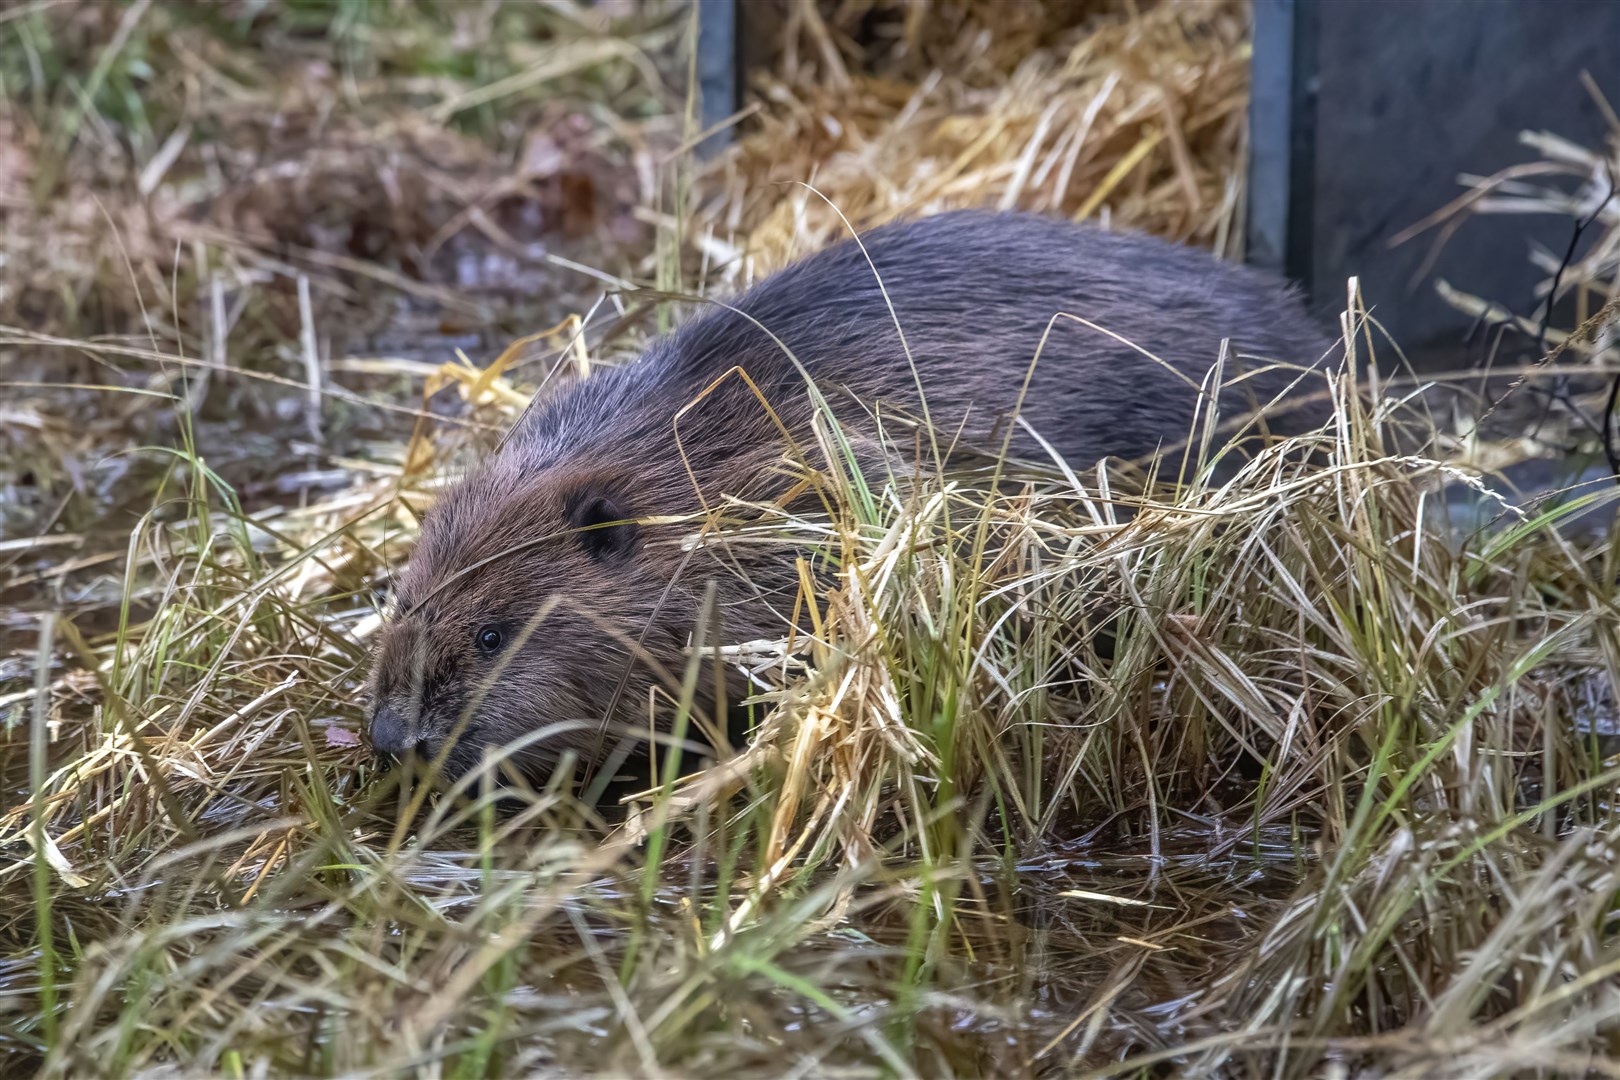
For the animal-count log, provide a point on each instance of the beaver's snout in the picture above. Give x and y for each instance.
(390, 733)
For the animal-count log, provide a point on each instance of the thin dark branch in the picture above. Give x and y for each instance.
(1610, 424)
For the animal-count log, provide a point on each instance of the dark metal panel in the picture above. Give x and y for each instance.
(1282, 134)
(1408, 94)
(717, 68)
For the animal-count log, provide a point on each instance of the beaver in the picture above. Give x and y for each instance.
(555, 591)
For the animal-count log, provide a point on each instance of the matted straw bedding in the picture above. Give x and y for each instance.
(1137, 119)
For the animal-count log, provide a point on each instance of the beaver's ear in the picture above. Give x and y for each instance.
(602, 519)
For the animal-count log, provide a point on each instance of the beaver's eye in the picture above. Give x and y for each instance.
(490, 639)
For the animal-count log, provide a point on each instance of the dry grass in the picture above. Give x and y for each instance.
(1270, 778)
(1138, 122)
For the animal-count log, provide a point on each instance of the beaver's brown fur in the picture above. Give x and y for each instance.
(532, 588)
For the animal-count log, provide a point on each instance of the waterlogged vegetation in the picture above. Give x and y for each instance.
(1075, 773)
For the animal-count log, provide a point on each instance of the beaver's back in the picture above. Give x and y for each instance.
(973, 293)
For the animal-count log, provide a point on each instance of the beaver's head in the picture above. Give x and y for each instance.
(535, 615)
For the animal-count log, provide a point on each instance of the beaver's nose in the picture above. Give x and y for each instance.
(390, 734)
